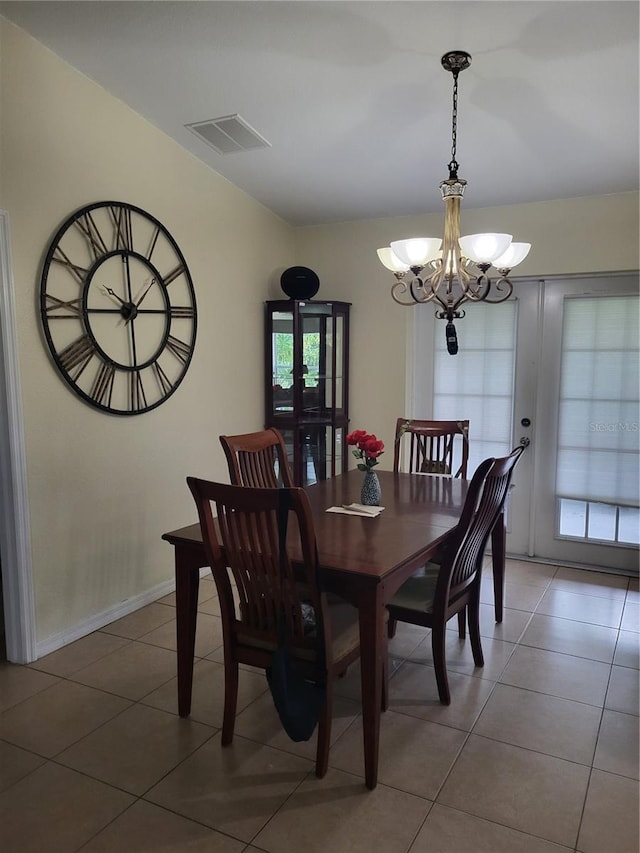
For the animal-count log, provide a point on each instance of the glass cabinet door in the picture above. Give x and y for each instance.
(281, 354)
(306, 387)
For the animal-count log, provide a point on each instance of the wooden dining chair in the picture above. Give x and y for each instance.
(257, 459)
(429, 446)
(499, 546)
(242, 547)
(451, 586)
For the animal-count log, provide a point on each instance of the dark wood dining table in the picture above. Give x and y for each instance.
(364, 560)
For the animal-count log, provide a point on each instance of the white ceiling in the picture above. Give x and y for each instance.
(355, 103)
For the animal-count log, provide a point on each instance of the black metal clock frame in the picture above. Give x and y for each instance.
(81, 260)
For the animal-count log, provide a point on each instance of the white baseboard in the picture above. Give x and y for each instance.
(99, 620)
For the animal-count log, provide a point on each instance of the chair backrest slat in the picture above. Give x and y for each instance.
(257, 459)
(431, 446)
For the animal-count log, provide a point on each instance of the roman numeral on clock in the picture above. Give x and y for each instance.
(56, 309)
(77, 355)
(88, 227)
(102, 387)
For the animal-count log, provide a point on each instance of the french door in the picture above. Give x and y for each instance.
(557, 368)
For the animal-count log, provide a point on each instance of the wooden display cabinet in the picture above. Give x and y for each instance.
(307, 384)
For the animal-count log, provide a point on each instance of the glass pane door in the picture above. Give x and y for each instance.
(574, 394)
(587, 442)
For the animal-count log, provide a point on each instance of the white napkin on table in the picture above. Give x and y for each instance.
(357, 509)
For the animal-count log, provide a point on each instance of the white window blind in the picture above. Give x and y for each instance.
(598, 451)
(477, 383)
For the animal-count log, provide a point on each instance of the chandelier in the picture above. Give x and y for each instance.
(428, 269)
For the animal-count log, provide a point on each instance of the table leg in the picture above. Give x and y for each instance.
(187, 568)
(498, 552)
(372, 648)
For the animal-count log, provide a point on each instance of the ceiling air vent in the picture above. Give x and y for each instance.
(228, 134)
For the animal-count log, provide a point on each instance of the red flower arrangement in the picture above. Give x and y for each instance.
(367, 448)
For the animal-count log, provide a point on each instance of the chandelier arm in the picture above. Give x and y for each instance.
(481, 290)
(411, 288)
(418, 290)
(502, 284)
(399, 289)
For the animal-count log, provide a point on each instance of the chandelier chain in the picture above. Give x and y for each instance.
(453, 165)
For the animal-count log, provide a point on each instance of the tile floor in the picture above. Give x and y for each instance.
(538, 752)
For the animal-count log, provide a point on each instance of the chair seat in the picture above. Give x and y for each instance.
(418, 592)
(345, 633)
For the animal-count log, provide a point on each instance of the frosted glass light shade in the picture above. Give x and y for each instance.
(390, 260)
(515, 254)
(417, 251)
(483, 248)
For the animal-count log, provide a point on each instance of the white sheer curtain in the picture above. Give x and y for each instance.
(598, 449)
(477, 383)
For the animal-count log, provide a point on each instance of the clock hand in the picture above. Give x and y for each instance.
(151, 283)
(125, 260)
(133, 340)
(134, 309)
(114, 294)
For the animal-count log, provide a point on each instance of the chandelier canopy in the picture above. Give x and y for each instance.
(430, 269)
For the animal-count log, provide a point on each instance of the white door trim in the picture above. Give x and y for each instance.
(15, 534)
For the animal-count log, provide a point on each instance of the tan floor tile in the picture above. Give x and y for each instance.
(413, 691)
(207, 697)
(136, 749)
(542, 723)
(18, 683)
(558, 675)
(15, 763)
(586, 582)
(618, 744)
(145, 827)
(517, 596)
(583, 608)
(631, 617)
(75, 656)
(459, 656)
(234, 789)
(56, 810)
(633, 593)
(570, 637)
(524, 571)
(132, 672)
(515, 787)
(59, 716)
(407, 639)
(510, 629)
(610, 821)
(260, 722)
(211, 606)
(448, 830)
(628, 650)
(422, 653)
(623, 692)
(415, 755)
(338, 813)
(208, 635)
(134, 625)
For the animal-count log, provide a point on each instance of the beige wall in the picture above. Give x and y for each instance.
(597, 234)
(102, 488)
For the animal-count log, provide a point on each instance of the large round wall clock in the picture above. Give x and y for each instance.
(118, 308)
